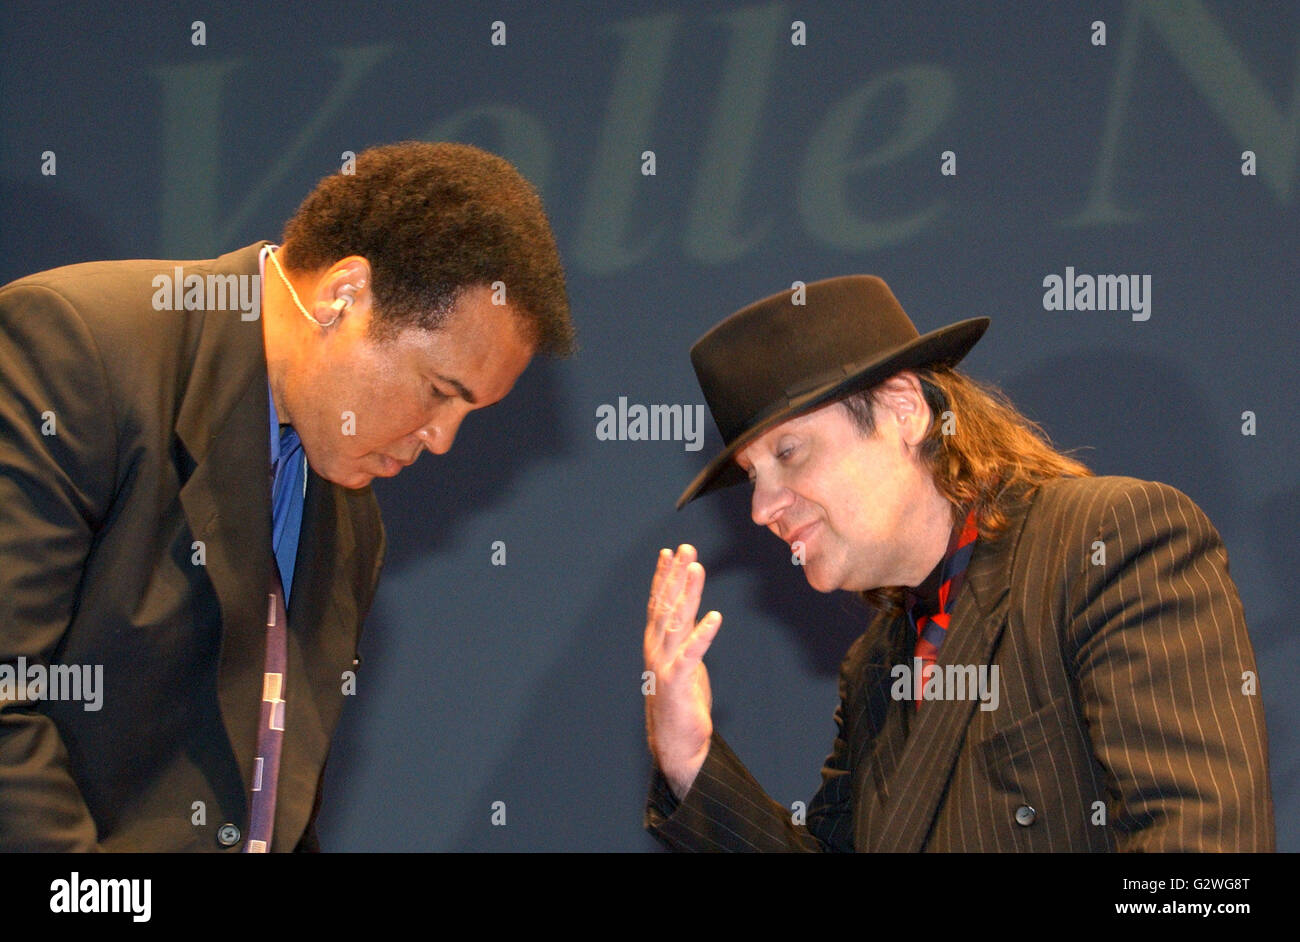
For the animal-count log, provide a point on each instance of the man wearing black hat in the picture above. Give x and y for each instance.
(1058, 662)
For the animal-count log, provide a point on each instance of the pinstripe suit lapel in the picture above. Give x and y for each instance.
(938, 730)
(878, 738)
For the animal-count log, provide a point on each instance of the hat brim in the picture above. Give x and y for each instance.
(943, 347)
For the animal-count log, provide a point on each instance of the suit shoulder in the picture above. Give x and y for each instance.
(82, 285)
(112, 300)
(1096, 498)
(108, 292)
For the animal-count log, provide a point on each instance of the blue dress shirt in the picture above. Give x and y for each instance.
(288, 490)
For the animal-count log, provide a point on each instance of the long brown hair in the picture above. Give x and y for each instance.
(980, 449)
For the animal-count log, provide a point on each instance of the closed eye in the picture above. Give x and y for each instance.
(782, 456)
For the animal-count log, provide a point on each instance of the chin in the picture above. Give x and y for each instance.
(358, 481)
(817, 582)
(353, 482)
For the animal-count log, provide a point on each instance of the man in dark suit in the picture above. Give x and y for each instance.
(1058, 662)
(188, 542)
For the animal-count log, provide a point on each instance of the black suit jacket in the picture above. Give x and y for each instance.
(136, 537)
(1128, 716)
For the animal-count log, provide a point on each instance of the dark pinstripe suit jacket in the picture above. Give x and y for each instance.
(1125, 719)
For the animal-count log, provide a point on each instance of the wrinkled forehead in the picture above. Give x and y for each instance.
(480, 347)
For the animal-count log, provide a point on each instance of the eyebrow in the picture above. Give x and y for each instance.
(460, 388)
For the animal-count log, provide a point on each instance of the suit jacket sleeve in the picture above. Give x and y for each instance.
(1166, 676)
(57, 467)
(727, 810)
(309, 843)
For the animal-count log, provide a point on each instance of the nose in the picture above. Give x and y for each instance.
(768, 502)
(437, 436)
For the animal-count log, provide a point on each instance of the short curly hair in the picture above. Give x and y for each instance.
(434, 219)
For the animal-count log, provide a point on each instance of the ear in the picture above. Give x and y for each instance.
(902, 403)
(344, 289)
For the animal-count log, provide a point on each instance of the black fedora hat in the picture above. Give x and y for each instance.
(778, 357)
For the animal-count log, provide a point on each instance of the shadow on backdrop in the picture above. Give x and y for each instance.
(1130, 414)
(593, 697)
(423, 509)
(494, 447)
(1271, 633)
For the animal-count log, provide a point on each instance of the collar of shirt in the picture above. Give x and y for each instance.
(286, 436)
(923, 599)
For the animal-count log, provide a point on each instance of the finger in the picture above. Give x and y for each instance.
(662, 565)
(687, 602)
(672, 586)
(659, 609)
(700, 639)
(685, 608)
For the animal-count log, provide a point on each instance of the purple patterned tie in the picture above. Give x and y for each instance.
(270, 731)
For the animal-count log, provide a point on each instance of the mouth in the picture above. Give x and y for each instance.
(801, 534)
(393, 465)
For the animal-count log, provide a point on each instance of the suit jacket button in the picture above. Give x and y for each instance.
(1025, 816)
(227, 835)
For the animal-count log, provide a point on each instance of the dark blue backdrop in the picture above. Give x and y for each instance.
(774, 162)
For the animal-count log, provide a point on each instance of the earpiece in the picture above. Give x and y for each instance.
(346, 300)
(338, 306)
